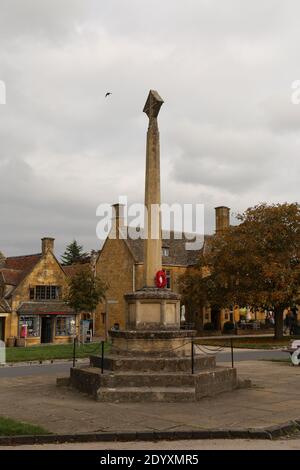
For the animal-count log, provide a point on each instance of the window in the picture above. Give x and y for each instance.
(65, 325)
(33, 325)
(168, 276)
(165, 251)
(45, 293)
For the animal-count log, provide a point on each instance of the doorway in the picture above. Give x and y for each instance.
(2, 328)
(215, 316)
(46, 330)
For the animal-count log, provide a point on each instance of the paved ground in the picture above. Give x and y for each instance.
(59, 367)
(220, 444)
(25, 370)
(275, 399)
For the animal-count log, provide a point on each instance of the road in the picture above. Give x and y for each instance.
(251, 355)
(64, 367)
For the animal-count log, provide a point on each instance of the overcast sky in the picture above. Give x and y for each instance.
(229, 132)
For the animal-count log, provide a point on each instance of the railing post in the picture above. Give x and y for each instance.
(231, 347)
(102, 357)
(192, 355)
(74, 351)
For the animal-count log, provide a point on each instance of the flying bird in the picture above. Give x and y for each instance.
(107, 94)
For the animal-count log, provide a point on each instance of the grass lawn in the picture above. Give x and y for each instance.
(250, 343)
(52, 351)
(9, 427)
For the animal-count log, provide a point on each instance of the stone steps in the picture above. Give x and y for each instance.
(154, 386)
(153, 364)
(147, 394)
(142, 379)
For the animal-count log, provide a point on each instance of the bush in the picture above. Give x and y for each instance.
(208, 326)
(296, 330)
(242, 317)
(228, 326)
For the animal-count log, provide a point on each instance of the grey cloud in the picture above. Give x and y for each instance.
(228, 131)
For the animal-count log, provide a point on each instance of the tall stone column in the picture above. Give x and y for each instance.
(153, 242)
(152, 308)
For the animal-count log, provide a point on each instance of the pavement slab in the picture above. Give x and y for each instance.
(274, 399)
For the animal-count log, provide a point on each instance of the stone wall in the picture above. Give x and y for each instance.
(115, 266)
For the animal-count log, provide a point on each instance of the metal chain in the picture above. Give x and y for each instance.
(218, 349)
(208, 353)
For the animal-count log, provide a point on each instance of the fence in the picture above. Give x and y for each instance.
(195, 343)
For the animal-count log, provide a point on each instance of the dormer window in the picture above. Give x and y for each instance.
(165, 251)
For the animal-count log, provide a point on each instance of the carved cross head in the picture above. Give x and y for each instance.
(153, 104)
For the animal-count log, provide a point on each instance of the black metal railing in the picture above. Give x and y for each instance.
(195, 342)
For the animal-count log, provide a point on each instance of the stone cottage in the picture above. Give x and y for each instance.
(31, 299)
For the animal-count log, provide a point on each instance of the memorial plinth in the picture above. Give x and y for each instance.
(152, 309)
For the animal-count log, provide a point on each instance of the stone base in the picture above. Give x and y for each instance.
(151, 308)
(149, 386)
(152, 366)
(147, 364)
(161, 343)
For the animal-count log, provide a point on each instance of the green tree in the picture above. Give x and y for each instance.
(255, 263)
(74, 254)
(85, 291)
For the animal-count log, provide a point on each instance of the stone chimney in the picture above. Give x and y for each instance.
(118, 218)
(2, 259)
(47, 245)
(222, 218)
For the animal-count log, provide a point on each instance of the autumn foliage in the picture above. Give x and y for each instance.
(256, 263)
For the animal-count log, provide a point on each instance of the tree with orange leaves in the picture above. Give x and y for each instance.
(255, 263)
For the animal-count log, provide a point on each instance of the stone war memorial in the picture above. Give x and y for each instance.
(151, 360)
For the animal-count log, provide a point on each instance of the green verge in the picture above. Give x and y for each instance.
(249, 343)
(9, 427)
(51, 352)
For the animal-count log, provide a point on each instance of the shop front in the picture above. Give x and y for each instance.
(46, 323)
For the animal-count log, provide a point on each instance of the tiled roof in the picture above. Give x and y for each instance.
(4, 306)
(11, 277)
(76, 268)
(22, 263)
(179, 254)
(15, 268)
(44, 308)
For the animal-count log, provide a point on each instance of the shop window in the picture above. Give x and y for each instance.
(33, 325)
(65, 325)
